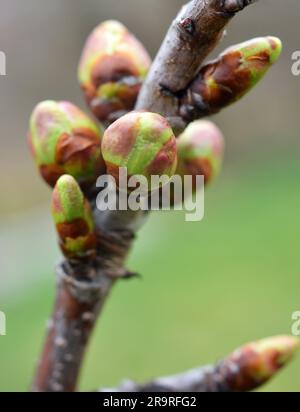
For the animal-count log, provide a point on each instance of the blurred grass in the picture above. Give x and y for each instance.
(207, 287)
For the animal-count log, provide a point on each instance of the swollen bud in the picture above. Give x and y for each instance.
(200, 150)
(64, 140)
(143, 143)
(111, 71)
(229, 77)
(73, 218)
(255, 363)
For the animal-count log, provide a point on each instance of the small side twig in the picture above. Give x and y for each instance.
(244, 370)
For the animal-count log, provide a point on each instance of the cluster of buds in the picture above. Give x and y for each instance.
(73, 218)
(256, 363)
(228, 78)
(111, 70)
(71, 151)
(63, 140)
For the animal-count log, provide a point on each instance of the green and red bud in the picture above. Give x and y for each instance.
(112, 69)
(255, 363)
(141, 142)
(73, 219)
(200, 151)
(228, 78)
(63, 140)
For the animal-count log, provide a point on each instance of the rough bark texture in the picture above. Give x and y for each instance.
(202, 379)
(77, 305)
(81, 292)
(82, 289)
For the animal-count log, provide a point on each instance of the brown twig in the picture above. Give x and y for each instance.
(244, 370)
(77, 305)
(202, 379)
(82, 289)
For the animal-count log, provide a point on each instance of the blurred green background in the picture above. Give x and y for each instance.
(207, 287)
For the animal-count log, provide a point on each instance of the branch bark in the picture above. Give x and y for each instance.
(192, 36)
(202, 379)
(83, 289)
(244, 370)
(81, 292)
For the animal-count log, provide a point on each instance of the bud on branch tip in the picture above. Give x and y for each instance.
(228, 78)
(255, 363)
(73, 218)
(64, 140)
(143, 143)
(112, 68)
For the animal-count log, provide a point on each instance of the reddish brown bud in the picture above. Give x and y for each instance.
(228, 78)
(73, 218)
(141, 142)
(111, 70)
(255, 363)
(64, 140)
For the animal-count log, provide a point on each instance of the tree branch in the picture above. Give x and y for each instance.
(192, 36)
(82, 289)
(244, 370)
(81, 292)
(202, 379)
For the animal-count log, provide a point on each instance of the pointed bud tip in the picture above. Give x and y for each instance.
(276, 47)
(112, 25)
(67, 183)
(267, 48)
(286, 346)
(67, 199)
(44, 105)
(73, 218)
(255, 363)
